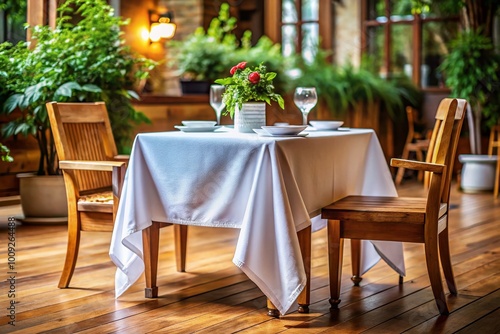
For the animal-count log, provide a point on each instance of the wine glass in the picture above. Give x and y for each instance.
(216, 92)
(305, 99)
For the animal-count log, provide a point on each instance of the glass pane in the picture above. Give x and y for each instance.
(12, 21)
(289, 40)
(401, 7)
(401, 49)
(436, 37)
(376, 9)
(375, 40)
(310, 41)
(310, 10)
(289, 12)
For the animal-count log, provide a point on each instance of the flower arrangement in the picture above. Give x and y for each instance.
(249, 85)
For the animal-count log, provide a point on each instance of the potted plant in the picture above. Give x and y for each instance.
(244, 88)
(83, 61)
(472, 71)
(205, 55)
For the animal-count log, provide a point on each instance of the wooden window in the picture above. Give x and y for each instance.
(12, 19)
(299, 25)
(404, 39)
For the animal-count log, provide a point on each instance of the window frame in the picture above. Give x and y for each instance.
(417, 22)
(273, 22)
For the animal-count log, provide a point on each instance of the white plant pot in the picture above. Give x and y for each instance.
(478, 172)
(251, 116)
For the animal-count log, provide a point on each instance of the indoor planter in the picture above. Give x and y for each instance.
(204, 56)
(83, 61)
(472, 71)
(43, 198)
(245, 87)
(251, 115)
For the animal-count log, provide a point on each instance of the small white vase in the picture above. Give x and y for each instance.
(251, 116)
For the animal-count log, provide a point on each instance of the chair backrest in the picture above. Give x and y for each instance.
(460, 110)
(443, 146)
(82, 131)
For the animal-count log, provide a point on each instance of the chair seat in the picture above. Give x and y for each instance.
(99, 202)
(375, 215)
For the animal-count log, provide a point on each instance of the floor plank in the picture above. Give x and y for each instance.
(214, 296)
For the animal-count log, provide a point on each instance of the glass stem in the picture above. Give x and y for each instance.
(218, 113)
(304, 118)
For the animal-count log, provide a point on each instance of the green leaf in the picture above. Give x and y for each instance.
(66, 89)
(91, 88)
(12, 103)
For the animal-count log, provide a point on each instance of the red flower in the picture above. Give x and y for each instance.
(240, 66)
(254, 77)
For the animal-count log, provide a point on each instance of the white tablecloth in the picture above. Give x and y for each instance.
(265, 186)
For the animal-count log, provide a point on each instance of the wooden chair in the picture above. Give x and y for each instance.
(405, 219)
(494, 143)
(415, 142)
(93, 174)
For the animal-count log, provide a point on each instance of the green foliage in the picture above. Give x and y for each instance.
(83, 61)
(5, 153)
(249, 84)
(472, 71)
(205, 55)
(264, 52)
(343, 87)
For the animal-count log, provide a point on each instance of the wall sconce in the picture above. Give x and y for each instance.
(161, 24)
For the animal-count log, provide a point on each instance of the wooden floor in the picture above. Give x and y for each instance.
(215, 297)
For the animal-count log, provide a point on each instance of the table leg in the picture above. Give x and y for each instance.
(151, 240)
(305, 296)
(305, 248)
(272, 311)
(356, 261)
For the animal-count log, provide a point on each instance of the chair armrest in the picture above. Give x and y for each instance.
(122, 157)
(418, 165)
(105, 166)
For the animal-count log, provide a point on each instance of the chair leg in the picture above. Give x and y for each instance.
(420, 157)
(151, 241)
(431, 257)
(497, 176)
(444, 254)
(356, 261)
(180, 238)
(71, 253)
(304, 298)
(335, 255)
(401, 171)
(399, 176)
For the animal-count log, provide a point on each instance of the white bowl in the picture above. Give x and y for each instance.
(284, 130)
(326, 125)
(199, 124)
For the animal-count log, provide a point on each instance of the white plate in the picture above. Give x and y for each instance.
(264, 133)
(201, 124)
(197, 128)
(284, 129)
(326, 125)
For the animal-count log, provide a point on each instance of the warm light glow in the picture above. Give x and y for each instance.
(161, 30)
(145, 34)
(162, 26)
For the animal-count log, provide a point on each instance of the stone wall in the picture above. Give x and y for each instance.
(347, 32)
